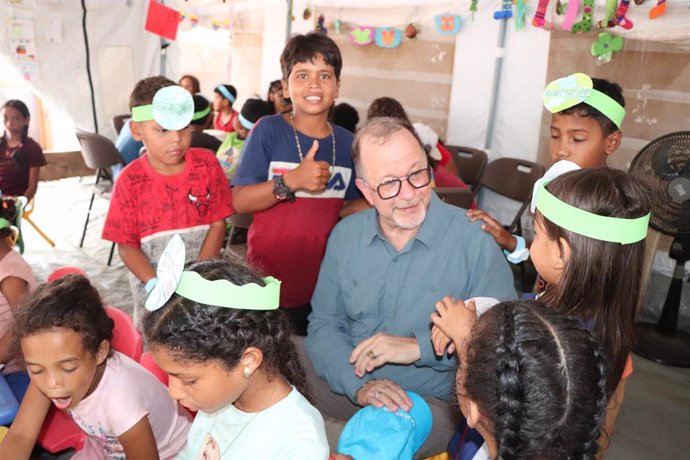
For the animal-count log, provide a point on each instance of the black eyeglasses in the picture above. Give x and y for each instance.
(391, 188)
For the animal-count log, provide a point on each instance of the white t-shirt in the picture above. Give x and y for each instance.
(291, 429)
(127, 393)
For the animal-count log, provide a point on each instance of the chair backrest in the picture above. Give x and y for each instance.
(98, 151)
(470, 162)
(119, 121)
(460, 197)
(512, 177)
(149, 364)
(126, 338)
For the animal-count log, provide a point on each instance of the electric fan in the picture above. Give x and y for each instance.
(666, 163)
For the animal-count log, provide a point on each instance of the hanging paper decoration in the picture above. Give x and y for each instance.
(388, 37)
(336, 24)
(610, 11)
(362, 35)
(447, 24)
(605, 46)
(539, 17)
(520, 13)
(619, 18)
(320, 27)
(570, 14)
(216, 24)
(585, 24)
(194, 21)
(306, 14)
(162, 20)
(506, 11)
(411, 31)
(658, 10)
(473, 7)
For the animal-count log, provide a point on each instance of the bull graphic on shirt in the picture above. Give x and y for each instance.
(201, 201)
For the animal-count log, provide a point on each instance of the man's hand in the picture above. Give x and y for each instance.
(491, 226)
(382, 348)
(452, 320)
(382, 393)
(311, 175)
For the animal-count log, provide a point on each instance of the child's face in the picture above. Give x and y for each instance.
(548, 257)
(166, 149)
(581, 140)
(312, 86)
(239, 129)
(206, 386)
(219, 102)
(187, 84)
(13, 120)
(60, 367)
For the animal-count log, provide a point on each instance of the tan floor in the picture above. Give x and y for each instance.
(654, 421)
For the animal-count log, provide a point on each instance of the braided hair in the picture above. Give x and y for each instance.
(24, 111)
(543, 390)
(196, 332)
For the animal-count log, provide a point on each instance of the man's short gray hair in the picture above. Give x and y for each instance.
(380, 130)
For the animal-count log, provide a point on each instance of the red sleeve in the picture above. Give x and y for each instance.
(121, 222)
(35, 154)
(445, 154)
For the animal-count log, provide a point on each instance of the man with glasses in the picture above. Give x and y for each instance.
(384, 271)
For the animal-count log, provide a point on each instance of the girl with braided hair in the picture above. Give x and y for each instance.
(542, 394)
(589, 246)
(228, 351)
(21, 157)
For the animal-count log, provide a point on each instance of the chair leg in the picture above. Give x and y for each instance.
(86, 223)
(110, 257)
(40, 232)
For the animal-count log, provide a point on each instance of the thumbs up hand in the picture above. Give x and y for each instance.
(311, 175)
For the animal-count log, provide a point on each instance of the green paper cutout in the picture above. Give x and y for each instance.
(602, 228)
(222, 293)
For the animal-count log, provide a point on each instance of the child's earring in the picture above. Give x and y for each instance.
(246, 372)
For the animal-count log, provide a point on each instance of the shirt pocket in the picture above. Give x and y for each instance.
(362, 300)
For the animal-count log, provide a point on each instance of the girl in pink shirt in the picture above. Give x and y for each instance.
(65, 335)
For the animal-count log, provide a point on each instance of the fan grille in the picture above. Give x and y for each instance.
(665, 164)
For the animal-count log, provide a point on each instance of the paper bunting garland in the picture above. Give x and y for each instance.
(447, 24)
(362, 35)
(605, 46)
(388, 37)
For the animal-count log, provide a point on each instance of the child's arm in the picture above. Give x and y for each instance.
(139, 442)
(354, 206)
(491, 226)
(311, 176)
(136, 262)
(13, 288)
(22, 435)
(214, 241)
(454, 320)
(612, 410)
(33, 183)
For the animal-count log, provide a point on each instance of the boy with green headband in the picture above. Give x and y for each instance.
(585, 130)
(171, 188)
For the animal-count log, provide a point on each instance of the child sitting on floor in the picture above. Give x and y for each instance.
(229, 354)
(64, 334)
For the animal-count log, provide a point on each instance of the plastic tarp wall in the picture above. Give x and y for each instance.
(121, 53)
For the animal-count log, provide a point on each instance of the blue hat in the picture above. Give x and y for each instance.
(379, 434)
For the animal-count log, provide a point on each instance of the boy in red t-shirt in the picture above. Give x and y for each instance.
(170, 189)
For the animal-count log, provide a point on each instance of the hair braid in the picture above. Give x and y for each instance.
(509, 390)
(590, 446)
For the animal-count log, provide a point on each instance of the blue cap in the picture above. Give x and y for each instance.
(379, 434)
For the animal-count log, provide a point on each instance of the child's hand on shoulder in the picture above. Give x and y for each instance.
(493, 227)
(453, 321)
(311, 175)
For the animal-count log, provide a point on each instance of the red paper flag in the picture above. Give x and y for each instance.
(162, 20)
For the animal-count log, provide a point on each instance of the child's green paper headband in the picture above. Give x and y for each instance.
(172, 108)
(603, 228)
(4, 223)
(201, 114)
(220, 293)
(569, 91)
